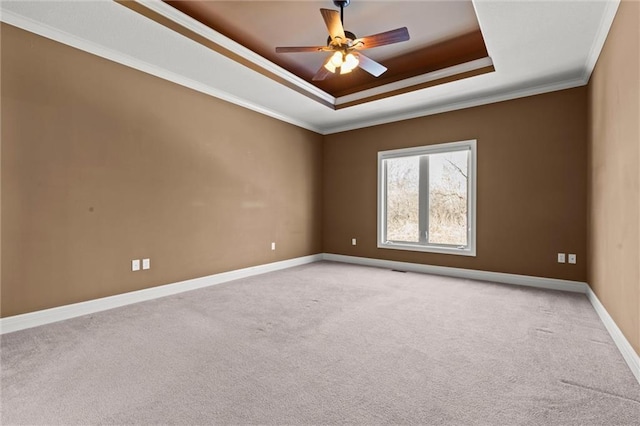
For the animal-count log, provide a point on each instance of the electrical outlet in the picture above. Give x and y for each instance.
(561, 258)
(146, 264)
(353, 241)
(572, 258)
(273, 246)
(135, 265)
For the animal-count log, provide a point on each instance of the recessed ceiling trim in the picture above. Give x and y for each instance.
(59, 36)
(609, 14)
(568, 23)
(174, 19)
(482, 29)
(478, 101)
(202, 34)
(443, 80)
(415, 81)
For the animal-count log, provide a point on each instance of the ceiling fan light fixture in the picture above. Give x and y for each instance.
(350, 63)
(342, 43)
(337, 59)
(330, 67)
(345, 63)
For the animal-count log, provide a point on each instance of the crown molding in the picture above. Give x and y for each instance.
(476, 101)
(175, 20)
(329, 126)
(55, 34)
(210, 34)
(608, 16)
(417, 80)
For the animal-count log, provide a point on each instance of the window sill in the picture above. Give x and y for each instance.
(428, 249)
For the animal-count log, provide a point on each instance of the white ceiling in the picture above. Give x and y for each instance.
(536, 47)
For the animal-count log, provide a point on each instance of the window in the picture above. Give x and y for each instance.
(427, 198)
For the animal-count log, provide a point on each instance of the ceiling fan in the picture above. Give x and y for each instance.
(346, 46)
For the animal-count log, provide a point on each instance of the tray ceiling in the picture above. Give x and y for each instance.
(535, 46)
(443, 34)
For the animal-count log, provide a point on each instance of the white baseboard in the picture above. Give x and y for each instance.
(497, 277)
(625, 348)
(46, 316)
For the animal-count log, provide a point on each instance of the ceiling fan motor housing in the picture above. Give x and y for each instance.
(344, 43)
(351, 36)
(341, 3)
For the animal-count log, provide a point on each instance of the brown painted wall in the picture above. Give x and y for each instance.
(531, 184)
(102, 164)
(614, 173)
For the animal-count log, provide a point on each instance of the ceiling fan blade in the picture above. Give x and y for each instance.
(334, 24)
(296, 49)
(371, 66)
(382, 39)
(322, 72)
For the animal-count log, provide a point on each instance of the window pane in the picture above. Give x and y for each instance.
(402, 199)
(448, 198)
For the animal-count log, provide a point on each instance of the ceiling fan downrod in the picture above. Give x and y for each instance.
(342, 4)
(343, 44)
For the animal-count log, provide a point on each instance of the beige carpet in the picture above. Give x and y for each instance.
(326, 343)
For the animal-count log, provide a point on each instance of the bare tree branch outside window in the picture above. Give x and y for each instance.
(447, 198)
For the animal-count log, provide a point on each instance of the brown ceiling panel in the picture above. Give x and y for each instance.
(445, 54)
(443, 34)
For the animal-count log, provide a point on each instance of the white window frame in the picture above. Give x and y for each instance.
(470, 249)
